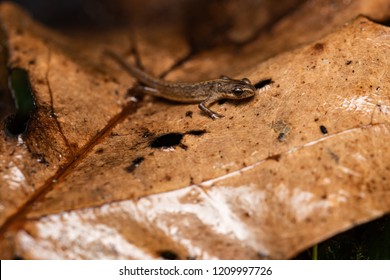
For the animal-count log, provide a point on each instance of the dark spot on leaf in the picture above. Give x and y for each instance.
(138, 160)
(323, 129)
(282, 136)
(318, 48)
(168, 255)
(275, 157)
(167, 140)
(41, 159)
(197, 132)
(189, 114)
(134, 164)
(20, 87)
(282, 128)
(263, 83)
(100, 151)
(147, 134)
(335, 157)
(348, 62)
(74, 145)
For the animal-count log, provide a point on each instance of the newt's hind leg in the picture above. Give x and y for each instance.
(146, 90)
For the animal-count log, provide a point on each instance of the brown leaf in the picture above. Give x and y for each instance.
(99, 175)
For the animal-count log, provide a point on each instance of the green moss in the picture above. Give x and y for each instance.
(24, 101)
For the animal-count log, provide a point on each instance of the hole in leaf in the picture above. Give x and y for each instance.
(174, 139)
(168, 255)
(263, 83)
(323, 129)
(20, 88)
(167, 140)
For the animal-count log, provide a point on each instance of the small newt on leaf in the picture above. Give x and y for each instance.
(206, 92)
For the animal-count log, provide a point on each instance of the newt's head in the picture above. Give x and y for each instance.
(237, 89)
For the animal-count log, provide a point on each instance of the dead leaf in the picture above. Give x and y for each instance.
(100, 176)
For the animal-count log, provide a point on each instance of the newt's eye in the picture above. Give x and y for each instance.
(238, 91)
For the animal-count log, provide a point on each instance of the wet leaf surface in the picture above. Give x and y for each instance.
(101, 173)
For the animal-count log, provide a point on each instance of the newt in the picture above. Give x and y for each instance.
(205, 93)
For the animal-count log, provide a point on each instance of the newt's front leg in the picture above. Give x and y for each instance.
(204, 106)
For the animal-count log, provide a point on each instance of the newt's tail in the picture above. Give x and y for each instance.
(134, 71)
